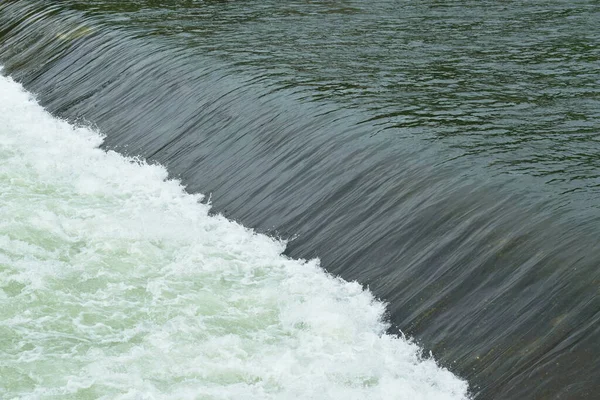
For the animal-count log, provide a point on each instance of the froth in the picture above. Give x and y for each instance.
(116, 284)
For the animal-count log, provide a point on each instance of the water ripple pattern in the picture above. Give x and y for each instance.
(116, 284)
(443, 155)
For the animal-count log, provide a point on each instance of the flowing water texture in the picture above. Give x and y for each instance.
(115, 283)
(441, 155)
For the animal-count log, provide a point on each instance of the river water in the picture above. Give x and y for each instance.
(441, 156)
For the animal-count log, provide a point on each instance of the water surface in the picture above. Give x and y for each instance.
(442, 154)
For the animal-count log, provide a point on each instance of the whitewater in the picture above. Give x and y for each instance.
(115, 283)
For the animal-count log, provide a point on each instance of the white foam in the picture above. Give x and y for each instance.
(116, 284)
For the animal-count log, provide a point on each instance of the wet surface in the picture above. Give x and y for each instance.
(443, 154)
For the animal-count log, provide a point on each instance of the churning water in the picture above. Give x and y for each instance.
(444, 156)
(115, 283)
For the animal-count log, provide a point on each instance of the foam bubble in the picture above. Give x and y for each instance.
(116, 284)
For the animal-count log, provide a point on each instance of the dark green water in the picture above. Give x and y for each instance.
(513, 83)
(446, 154)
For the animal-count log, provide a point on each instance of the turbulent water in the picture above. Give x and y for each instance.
(115, 283)
(442, 156)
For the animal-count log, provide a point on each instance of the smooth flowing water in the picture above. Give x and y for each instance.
(117, 284)
(444, 156)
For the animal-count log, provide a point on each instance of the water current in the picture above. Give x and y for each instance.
(441, 159)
